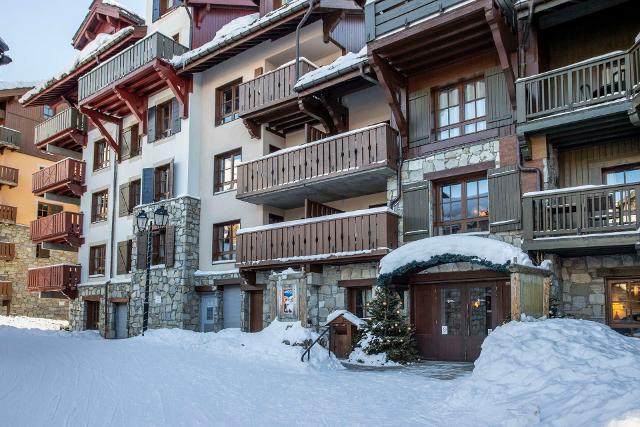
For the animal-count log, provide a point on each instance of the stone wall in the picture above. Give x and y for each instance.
(23, 302)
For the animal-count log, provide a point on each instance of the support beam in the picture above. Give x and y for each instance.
(136, 105)
(506, 44)
(394, 85)
(255, 130)
(79, 139)
(96, 118)
(68, 101)
(178, 85)
(329, 23)
(313, 107)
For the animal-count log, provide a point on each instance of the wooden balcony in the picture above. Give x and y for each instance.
(7, 251)
(55, 278)
(8, 176)
(345, 237)
(338, 167)
(582, 218)
(65, 178)
(62, 228)
(9, 139)
(66, 129)
(8, 214)
(6, 290)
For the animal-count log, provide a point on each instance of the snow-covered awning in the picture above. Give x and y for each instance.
(432, 251)
(341, 66)
(358, 322)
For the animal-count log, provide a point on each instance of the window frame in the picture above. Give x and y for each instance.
(621, 168)
(97, 260)
(463, 222)
(221, 118)
(609, 302)
(218, 254)
(159, 247)
(103, 215)
(158, 173)
(164, 114)
(219, 171)
(460, 86)
(51, 208)
(48, 112)
(352, 294)
(134, 198)
(101, 155)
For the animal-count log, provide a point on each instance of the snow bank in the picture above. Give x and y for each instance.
(23, 322)
(359, 356)
(341, 64)
(555, 372)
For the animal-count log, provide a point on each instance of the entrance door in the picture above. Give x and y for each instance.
(231, 307)
(255, 311)
(207, 310)
(122, 315)
(93, 315)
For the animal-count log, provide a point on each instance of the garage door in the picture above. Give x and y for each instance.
(231, 308)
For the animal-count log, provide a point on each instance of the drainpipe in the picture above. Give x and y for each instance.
(525, 169)
(367, 77)
(113, 238)
(186, 7)
(396, 199)
(298, 28)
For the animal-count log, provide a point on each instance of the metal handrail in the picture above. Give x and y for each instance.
(307, 352)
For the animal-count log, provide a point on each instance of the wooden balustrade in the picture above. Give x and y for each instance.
(634, 66)
(366, 233)
(155, 46)
(63, 227)
(325, 159)
(10, 138)
(62, 177)
(271, 88)
(578, 211)
(66, 121)
(8, 214)
(7, 251)
(8, 176)
(6, 290)
(62, 277)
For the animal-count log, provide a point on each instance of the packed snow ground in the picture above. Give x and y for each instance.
(555, 372)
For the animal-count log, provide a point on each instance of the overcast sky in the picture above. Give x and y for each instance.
(39, 33)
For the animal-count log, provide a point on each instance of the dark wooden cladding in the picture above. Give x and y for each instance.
(602, 209)
(8, 176)
(314, 209)
(9, 138)
(324, 159)
(211, 21)
(63, 227)
(58, 128)
(335, 237)
(7, 251)
(312, 134)
(6, 290)
(65, 178)
(62, 278)
(634, 66)
(271, 88)
(8, 214)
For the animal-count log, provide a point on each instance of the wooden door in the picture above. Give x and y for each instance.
(93, 315)
(255, 311)
(424, 307)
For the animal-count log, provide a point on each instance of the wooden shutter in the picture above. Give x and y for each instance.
(420, 122)
(169, 246)
(121, 266)
(125, 144)
(123, 200)
(170, 180)
(156, 11)
(415, 211)
(147, 190)
(176, 122)
(505, 206)
(141, 251)
(151, 124)
(499, 112)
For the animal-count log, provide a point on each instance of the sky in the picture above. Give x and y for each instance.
(39, 34)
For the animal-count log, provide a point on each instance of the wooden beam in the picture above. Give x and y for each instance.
(394, 85)
(136, 105)
(312, 107)
(329, 23)
(506, 44)
(255, 130)
(96, 118)
(338, 113)
(178, 85)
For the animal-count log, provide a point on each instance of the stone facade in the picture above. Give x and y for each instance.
(23, 302)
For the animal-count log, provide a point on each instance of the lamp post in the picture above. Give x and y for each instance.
(146, 225)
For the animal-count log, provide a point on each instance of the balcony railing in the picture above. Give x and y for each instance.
(63, 177)
(365, 233)
(581, 210)
(63, 227)
(9, 138)
(271, 88)
(7, 251)
(8, 214)
(346, 154)
(588, 83)
(6, 290)
(66, 121)
(61, 278)
(155, 46)
(8, 176)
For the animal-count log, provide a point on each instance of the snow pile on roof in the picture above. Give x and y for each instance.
(204, 273)
(136, 14)
(7, 85)
(236, 29)
(480, 250)
(280, 342)
(553, 372)
(101, 43)
(359, 356)
(347, 315)
(338, 67)
(33, 323)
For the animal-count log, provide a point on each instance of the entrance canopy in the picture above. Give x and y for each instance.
(433, 251)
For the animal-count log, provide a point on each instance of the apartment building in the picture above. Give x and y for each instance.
(20, 259)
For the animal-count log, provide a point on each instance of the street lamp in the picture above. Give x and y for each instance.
(144, 224)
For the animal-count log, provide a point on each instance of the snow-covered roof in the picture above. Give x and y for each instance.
(100, 44)
(347, 315)
(6, 85)
(214, 273)
(425, 253)
(236, 29)
(342, 65)
(133, 15)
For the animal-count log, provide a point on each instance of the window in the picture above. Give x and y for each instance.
(225, 171)
(224, 241)
(227, 103)
(134, 194)
(358, 302)
(100, 155)
(97, 256)
(163, 120)
(42, 253)
(99, 206)
(461, 110)
(158, 250)
(46, 209)
(131, 146)
(275, 219)
(626, 175)
(166, 6)
(47, 112)
(463, 206)
(624, 305)
(162, 184)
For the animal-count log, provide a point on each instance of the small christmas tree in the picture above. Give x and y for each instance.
(389, 332)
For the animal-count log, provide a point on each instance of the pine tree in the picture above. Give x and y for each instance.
(389, 332)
